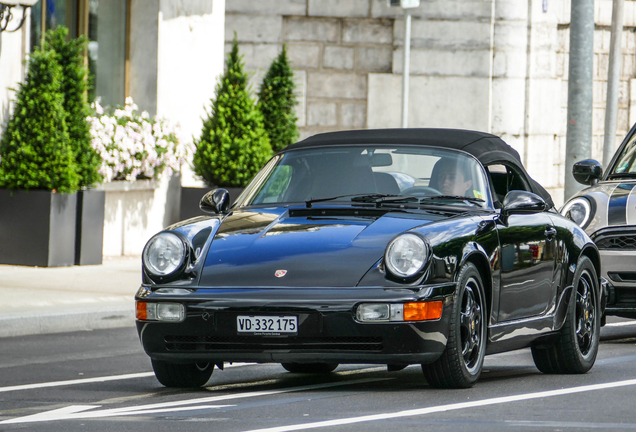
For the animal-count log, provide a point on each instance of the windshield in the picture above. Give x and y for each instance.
(625, 165)
(363, 173)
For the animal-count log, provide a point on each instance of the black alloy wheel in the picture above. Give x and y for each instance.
(575, 348)
(461, 363)
(471, 322)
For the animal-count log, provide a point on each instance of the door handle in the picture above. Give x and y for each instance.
(550, 233)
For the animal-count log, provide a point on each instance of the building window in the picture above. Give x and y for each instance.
(105, 24)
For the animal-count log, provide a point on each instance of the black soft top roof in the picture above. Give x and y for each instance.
(487, 148)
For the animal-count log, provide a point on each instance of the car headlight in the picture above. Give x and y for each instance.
(406, 255)
(578, 210)
(164, 254)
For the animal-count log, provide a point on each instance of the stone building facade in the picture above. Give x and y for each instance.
(493, 65)
(170, 54)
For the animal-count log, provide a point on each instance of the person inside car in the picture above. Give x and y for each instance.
(450, 179)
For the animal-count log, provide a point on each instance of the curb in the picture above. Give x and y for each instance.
(26, 325)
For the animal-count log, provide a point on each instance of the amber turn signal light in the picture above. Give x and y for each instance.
(422, 311)
(142, 313)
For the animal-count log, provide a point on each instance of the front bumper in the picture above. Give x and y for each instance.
(327, 328)
(619, 269)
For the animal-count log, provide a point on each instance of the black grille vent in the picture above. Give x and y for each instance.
(243, 343)
(622, 242)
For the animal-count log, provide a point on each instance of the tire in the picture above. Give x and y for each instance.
(309, 368)
(182, 375)
(574, 349)
(461, 362)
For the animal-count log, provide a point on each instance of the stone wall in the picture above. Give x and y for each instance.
(13, 50)
(505, 73)
(135, 211)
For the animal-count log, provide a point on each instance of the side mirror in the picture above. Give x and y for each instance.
(517, 202)
(587, 172)
(216, 201)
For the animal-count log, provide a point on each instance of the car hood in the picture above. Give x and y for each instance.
(302, 248)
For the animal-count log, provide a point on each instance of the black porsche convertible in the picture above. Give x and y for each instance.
(396, 247)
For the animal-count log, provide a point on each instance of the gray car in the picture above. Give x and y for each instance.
(606, 210)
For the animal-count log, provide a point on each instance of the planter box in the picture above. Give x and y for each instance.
(135, 211)
(37, 228)
(89, 235)
(191, 196)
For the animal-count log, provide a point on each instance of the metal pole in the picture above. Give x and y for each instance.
(613, 82)
(405, 68)
(579, 115)
(491, 66)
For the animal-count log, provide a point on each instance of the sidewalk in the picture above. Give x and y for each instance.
(37, 300)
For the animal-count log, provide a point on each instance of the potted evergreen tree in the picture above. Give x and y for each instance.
(90, 202)
(38, 175)
(277, 101)
(234, 144)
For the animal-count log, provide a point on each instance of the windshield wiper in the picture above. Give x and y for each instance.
(452, 197)
(622, 175)
(360, 196)
(378, 199)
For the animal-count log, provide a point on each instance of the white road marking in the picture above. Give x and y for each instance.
(75, 382)
(450, 407)
(75, 412)
(92, 380)
(621, 324)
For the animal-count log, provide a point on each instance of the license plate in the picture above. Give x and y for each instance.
(266, 325)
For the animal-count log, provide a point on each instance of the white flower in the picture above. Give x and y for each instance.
(133, 145)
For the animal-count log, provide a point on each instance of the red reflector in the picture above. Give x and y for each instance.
(422, 311)
(141, 311)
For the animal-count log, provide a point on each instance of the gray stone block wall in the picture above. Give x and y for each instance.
(339, 8)
(338, 57)
(513, 84)
(266, 7)
(336, 44)
(254, 28)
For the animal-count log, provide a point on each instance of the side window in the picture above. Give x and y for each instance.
(505, 179)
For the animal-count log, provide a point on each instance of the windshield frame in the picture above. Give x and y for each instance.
(629, 143)
(246, 199)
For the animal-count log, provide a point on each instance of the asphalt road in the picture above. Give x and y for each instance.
(102, 381)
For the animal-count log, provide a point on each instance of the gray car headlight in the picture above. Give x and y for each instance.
(164, 254)
(406, 255)
(578, 210)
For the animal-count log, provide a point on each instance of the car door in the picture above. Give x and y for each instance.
(527, 254)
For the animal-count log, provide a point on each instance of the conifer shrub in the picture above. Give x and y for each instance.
(233, 144)
(35, 151)
(69, 54)
(277, 101)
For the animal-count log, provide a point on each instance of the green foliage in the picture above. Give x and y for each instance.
(277, 101)
(35, 150)
(233, 144)
(74, 85)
